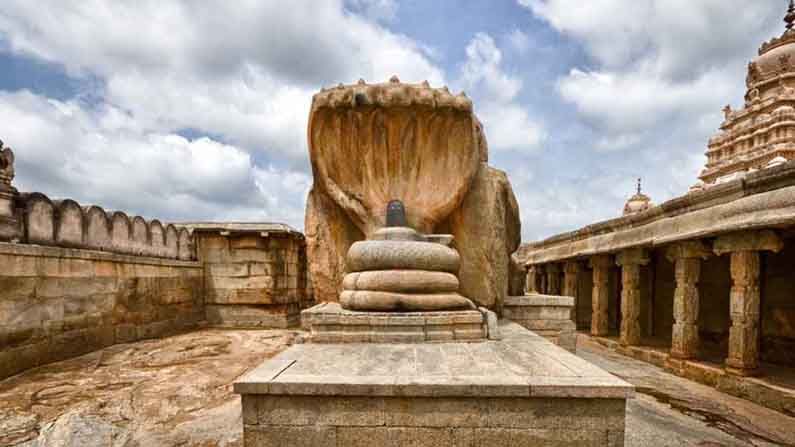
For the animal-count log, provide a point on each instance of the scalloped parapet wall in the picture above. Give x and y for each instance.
(64, 223)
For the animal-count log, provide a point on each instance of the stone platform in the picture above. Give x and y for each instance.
(521, 390)
(546, 315)
(330, 323)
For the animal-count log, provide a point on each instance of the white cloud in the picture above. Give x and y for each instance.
(242, 73)
(241, 70)
(519, 40)
(69, 150)
(626, 106)
(378, 10)
(657, 61)
(508, 124)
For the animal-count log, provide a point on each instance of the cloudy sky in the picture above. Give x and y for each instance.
(185, 110)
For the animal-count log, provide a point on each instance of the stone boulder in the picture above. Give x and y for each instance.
(370, 144)
(487, 231)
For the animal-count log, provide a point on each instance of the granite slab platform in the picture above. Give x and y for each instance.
(521, 390)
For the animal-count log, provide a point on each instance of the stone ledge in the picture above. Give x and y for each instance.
(91, 255)
(536, 299)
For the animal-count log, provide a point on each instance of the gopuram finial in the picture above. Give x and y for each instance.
(789, 19)
(638, 185)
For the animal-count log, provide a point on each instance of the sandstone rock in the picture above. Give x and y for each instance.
(487, 230)
(371, 144)
(401, 255)
(421, 146)
(401, 281)
(390, 301)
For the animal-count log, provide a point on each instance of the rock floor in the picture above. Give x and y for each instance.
(177, 392)
(169, 392)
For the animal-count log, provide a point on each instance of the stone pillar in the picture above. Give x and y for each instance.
(10, 228)
(571, 270)
(553, 279)
(601, 294)
(541, 279)
(687, 257)
(631, 261)
(531, 284)
(745, 298)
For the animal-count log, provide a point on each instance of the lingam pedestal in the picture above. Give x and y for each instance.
(401, 357)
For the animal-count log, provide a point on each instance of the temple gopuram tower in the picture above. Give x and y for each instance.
(762, 133)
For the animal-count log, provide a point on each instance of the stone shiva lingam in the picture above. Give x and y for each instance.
(402, 288)
(399, 269)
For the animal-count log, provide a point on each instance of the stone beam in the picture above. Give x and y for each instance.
(601, 294)
(631, 261)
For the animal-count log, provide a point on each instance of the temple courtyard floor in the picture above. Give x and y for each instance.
(177, 392)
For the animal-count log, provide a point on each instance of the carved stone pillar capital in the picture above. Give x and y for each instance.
(633, 256)
(687, 250)
(762, 240)
(600, 261)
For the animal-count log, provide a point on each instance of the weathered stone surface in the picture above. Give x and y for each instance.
(402, 302)
(174, 391)
(329, 235)
(487, 231)
(402, 255)
(408, 281)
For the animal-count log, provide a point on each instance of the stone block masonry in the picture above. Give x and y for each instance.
(254, 274)
(546, 315)
(521, 390)
(57, 303)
